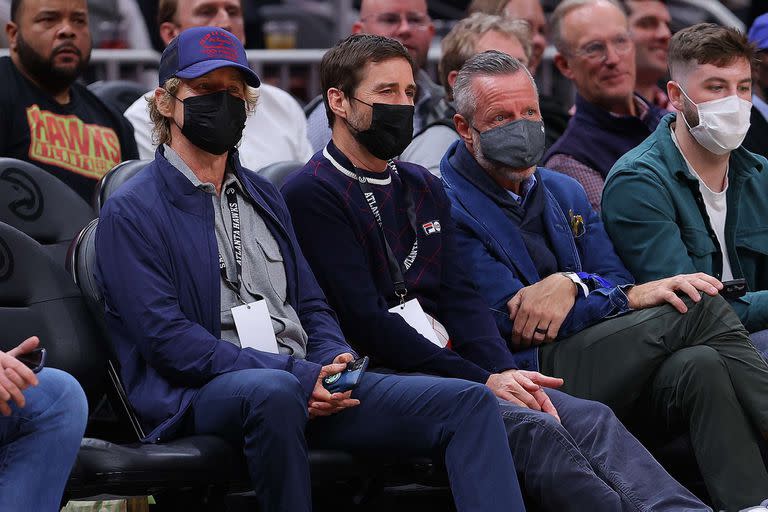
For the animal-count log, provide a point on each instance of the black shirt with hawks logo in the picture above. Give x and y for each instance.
(77, 142)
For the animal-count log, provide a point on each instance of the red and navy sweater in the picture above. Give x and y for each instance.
(341, 239)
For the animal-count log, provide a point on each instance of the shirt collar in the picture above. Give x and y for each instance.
(525, 188)
(176, 161)
(342, 164)
(424, 84)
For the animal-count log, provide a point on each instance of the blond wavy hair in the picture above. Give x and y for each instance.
(161, 125)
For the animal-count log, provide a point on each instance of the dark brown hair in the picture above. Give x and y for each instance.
(166, 11)
(342, 66)
(707, 43)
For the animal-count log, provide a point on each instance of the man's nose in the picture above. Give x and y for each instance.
(222, 20)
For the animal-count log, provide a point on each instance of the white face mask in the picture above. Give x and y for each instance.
(723, 123)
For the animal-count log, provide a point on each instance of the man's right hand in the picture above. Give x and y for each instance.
(322, 402)
(537, 311)
(15, 377)
(656, 293)
(525, 389)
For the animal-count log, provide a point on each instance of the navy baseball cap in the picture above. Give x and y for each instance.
(758, 32)
(200, 50)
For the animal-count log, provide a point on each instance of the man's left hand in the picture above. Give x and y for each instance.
(539, 310)
(322, 402)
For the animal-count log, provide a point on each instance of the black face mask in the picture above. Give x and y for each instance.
(390, 132)
(214, 122)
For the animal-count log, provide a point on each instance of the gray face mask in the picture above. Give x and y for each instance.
(518, 144)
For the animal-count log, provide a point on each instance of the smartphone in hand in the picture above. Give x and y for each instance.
(34, 360)
(734, 289)
(347, 379)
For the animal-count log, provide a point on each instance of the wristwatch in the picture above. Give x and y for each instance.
(573, 276)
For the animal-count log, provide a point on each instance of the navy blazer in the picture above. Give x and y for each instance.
(494, 252)
(157, 266)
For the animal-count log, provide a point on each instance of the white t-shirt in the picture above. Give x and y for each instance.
(275, 132)
(717, 210)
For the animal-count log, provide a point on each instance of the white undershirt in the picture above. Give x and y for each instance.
(717, 210)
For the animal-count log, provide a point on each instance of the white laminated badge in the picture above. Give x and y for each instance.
(254, 326)
(413, 314)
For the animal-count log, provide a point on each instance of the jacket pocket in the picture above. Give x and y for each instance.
(268, 270)
(701, 248)
(755, 240)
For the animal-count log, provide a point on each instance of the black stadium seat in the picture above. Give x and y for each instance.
(119, 94)
(114, 178)
(196, 461)
(277, 172)
(39, 297)
(42, 206)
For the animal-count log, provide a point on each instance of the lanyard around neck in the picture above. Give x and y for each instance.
(396, 269)
(237, 245)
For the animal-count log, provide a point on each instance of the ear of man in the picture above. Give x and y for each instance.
(168, 32)
(562, 65)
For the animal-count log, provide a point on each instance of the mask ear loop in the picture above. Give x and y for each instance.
(685, 119)
(180, 101)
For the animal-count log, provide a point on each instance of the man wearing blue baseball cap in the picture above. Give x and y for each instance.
(757, 136)
(220, 327)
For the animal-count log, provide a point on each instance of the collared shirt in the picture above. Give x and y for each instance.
(590, 178)
(525, 188)
(263, 273)
(760, 105)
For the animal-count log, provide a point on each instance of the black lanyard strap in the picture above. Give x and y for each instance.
(396, 270)
(237, 244)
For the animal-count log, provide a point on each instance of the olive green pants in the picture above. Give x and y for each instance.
(694, 372)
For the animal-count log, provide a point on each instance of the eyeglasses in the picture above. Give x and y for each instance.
(392, 20)
(597, 51)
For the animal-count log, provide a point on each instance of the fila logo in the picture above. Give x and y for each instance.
(431, 227)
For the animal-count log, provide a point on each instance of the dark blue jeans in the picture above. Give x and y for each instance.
(589, 461)
(760, 340)
(265, 411)
(39, 443)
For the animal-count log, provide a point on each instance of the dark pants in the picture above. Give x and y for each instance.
(588, 461)
(760, 341)
(696, 372)
(265, 411)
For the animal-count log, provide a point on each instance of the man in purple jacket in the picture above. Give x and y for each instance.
(220, 327)
(379, 236)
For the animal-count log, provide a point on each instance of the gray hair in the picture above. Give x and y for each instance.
(565, 8)
(488, 63)
(459, 44)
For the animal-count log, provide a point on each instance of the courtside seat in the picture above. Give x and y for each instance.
(196, 460)
(114, 178)
(45, 208)
(118, 94)
(278, 172)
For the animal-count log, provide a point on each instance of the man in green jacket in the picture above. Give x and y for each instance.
(690, 197)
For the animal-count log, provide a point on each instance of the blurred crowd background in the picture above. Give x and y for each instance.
(303, 29)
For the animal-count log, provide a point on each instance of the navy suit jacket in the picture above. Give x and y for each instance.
(494, 253)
